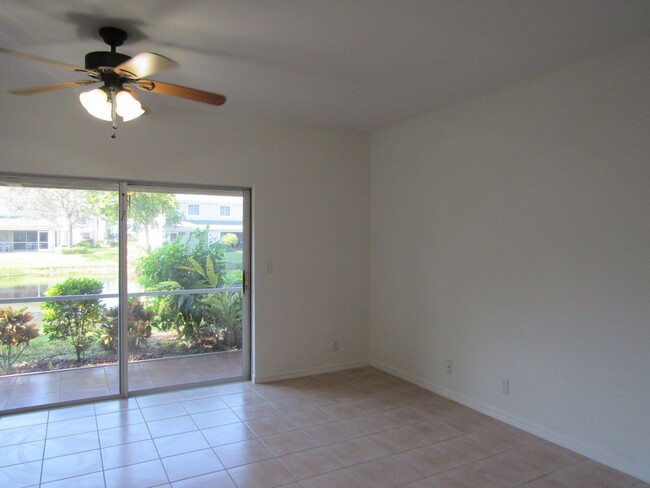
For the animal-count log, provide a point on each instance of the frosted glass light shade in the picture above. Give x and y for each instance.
(97, 104)
(127, 107)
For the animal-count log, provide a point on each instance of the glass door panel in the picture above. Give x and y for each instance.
(186, 257)
(58, 292)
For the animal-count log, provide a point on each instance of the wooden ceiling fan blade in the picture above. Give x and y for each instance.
(181, 92)
(39, 59)
(144, 64)
(54, 86)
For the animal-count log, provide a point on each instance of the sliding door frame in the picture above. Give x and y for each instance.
(123, 351)
(247, 286)
(123, 344)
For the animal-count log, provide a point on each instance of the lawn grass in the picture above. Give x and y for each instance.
(100, 258)
(102, 254)
(52, 263)
(233, 259)
(42, 348)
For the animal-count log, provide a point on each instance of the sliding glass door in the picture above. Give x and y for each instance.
(58, 286)
(186, 306)
(102, 296)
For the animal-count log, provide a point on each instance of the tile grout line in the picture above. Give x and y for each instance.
(513, 443)
(206, 440)
(99, 445)
(47, 426)
(146, 423)
(325, 445)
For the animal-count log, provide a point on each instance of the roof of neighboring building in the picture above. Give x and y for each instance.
(13, 222)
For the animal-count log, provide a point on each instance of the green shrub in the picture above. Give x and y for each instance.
(166, 269)
(210, 320)
(168, 262)
(74, 250)
(221, 313)
(85, 243)
(230, 239)
(16, 331)
(75, 320)
(223, 324)
(234, 277)
(139, 326)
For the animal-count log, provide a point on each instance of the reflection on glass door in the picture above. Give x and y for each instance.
(186, 311)
(58, 285)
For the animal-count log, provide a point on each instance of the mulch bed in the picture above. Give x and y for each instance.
(160, 346)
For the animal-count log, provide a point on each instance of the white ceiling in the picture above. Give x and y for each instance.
(345, 63)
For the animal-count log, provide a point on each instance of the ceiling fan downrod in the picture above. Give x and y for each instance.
(113, 37)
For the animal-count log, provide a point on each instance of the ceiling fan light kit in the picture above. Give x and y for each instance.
(118, 72)
(100, 101)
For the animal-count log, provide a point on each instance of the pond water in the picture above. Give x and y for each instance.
(37, 286)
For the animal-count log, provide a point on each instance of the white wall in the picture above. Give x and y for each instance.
(511, 235)
(310, 191)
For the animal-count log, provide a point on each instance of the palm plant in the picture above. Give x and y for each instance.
(207, 319)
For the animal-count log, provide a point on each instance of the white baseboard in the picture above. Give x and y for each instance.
(297, 373)
(560, 439)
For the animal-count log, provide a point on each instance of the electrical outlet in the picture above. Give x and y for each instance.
(449, 364)
(505, 386)
(335, 346)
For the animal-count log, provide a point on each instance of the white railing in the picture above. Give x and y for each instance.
(62, 298)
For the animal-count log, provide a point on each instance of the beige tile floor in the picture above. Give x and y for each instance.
(359, 428)
(31, 390)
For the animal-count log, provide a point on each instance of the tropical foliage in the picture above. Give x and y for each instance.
(169, 261)
(75, 320)
(16, 332)
(210, 320)
(139, 326)
(220, 313)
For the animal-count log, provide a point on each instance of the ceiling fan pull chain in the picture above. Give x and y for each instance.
(113, 114)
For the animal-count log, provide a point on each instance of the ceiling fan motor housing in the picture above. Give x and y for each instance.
(98, 59)
(113, 37)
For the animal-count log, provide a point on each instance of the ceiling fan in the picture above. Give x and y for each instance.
(119, 74)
